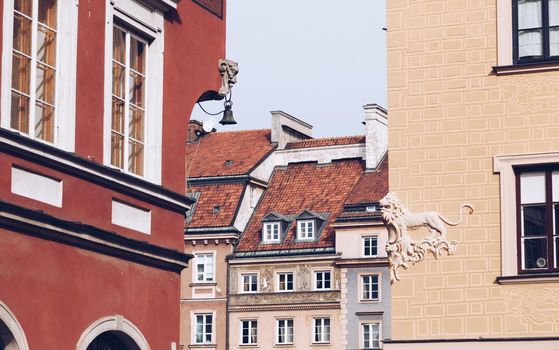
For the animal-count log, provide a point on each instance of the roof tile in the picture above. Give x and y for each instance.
(333, 141)
(372, 186)
(216, 206)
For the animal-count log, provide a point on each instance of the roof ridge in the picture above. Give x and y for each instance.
(237, 131)
(328, 138)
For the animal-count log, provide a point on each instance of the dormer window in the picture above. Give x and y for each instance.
(305, 229)
(271, 232)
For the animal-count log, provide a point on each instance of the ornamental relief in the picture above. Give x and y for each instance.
(283, 298)
(531, 305)
(401, 248)
(529, 94)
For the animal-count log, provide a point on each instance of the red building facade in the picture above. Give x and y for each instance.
(94, 111)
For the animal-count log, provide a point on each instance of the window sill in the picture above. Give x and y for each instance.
(202, 346)
(526, 68)
(203, 284)
(529, 278)
(376, 301)
(321, 344)
(248, 345)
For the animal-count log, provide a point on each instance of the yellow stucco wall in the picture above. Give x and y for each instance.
(449, 115)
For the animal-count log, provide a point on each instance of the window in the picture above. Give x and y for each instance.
(323, 280)
(370, 246)
(536, 30)
(538, 220)
(249, 332)
(204, 267)
(250, 282)
(305, 229)
(203, 329)
(284, 331)
(271, 232)
(321, 330)
(128, 101)
(371, 335)
(132, 137)
(285, 281)
(38, 99)
(370, 287)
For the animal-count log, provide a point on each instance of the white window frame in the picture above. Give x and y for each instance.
(194, 315)
(362, 324)
(251, 323)
(503, 165)
(195, 269)
(292, 273)
(242, 282)
(504, 33)
(147, 23)
(303, 229)
(363, 240)
(269, 226)
(315, 278)
(361, 288)
(285, 319)
(322, 328)
(65, 88)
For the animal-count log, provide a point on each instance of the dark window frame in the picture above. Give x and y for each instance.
(548, 170)
(545, 37)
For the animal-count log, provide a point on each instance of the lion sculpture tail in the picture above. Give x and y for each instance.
(464, 205)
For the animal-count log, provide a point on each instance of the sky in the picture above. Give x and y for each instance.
(318, 60)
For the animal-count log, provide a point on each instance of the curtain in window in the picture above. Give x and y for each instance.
(529, 28)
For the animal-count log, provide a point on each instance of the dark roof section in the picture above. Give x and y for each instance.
(334, 141)
(216, 206)
(298, 187)
(227, 153)
(372, 186)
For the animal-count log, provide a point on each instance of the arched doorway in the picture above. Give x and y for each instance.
(112, 341)
(11, 334)
(112, 333)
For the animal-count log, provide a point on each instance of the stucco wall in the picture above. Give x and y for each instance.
(449, 116)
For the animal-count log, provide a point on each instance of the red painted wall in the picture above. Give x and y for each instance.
(55, 301)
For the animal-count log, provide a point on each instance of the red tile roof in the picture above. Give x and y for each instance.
(372, 186)
(216, 205)
(334, 141)
(292, 189)
(227, 153)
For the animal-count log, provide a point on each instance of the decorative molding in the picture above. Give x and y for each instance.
(401, 248)
(535, 306)
(112, 323)
(9, 319)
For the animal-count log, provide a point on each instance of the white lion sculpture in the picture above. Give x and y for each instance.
(401, 248)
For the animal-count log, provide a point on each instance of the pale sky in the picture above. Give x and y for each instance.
(318, 60)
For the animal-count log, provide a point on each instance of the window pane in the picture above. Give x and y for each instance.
(19, 118)
(534, 219)
(21, 72)
(529, 14)
(556, 251)
(137, 55)
(136, 125)
(22, 34)
(136, 86)
(136, 158)
(554, 41)
(530, 43)
(46, 46)
(118, 80)
(44, 122)
(535, 253)
(532, 188)
(117, 150)
(119, 45)
(45, 80)
(23, 6)
(118, 115)
(47, 12)
(553, 12)
(555, 185)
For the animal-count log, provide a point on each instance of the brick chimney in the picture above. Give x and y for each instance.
(376, 134)
(286, 128)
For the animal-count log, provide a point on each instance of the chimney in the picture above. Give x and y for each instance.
(286, 128)
(376, 134)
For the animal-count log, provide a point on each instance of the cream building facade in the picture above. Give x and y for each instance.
(473, 91)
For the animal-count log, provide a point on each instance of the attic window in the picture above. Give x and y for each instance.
(371, 209)
(216, 209)
(228, 162)
(305, 229)
(271, 232)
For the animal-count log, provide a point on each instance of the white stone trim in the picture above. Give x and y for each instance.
(316, 269)
(360, 288)
(503, 165)
(362, 334)
(112, 323)
(240, 284)
(504, 32)
(36, 186)
(9, 319)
